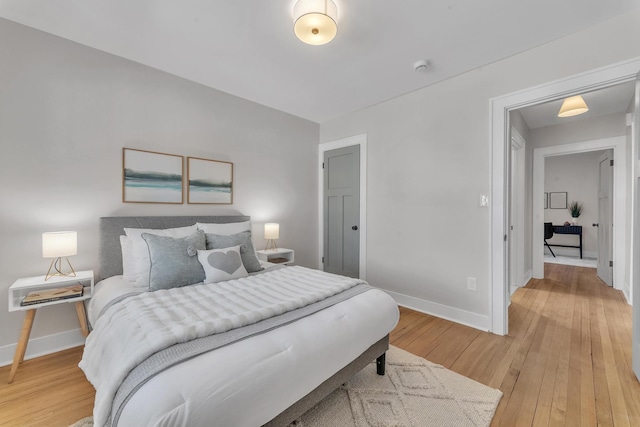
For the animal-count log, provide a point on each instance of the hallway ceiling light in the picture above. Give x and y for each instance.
(573, 106)
(315, 21)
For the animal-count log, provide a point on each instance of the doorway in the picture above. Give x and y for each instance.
(618, 146)
(500, 108)
(341, 213)
(586, 179)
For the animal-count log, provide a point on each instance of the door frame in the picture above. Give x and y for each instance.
(360, 140)
(516, 247)
(499, 134)
(619, 214)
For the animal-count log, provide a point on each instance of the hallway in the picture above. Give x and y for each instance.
(566, 361)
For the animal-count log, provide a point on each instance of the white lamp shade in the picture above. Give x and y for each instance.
(59, 244)
(573, 106)
(315, 21)
(271, 231)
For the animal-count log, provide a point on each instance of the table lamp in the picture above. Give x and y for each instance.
(271, 233)
(56, 245)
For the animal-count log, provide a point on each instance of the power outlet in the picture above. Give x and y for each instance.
(471, 283)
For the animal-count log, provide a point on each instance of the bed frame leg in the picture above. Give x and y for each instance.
(380, 364)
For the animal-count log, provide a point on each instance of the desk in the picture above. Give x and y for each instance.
(569, 229)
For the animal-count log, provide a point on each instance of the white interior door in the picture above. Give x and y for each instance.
(635, 268)
(605, 218)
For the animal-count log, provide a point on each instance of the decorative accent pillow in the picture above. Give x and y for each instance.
(247, 251)
(128, 261)
(141, 250)
(224, 229)
(174, 261)
(222, 264)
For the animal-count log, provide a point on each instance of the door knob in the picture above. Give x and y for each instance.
(595, 224)
(355, 227)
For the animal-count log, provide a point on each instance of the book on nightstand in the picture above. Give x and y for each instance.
(48, 295)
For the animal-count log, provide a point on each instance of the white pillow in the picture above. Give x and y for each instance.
(141, 250)
(222, 264)
(225, 229)
(128, 261)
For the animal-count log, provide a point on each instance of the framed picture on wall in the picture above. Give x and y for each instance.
(151, 177)
(558, 200)
(209, 181)
(546, 200)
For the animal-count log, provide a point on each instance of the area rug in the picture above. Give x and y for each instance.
(414, 392)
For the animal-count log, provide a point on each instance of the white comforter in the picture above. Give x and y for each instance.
(127, 333)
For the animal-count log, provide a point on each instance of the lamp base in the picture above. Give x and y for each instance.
(271, 245)
(56, 265)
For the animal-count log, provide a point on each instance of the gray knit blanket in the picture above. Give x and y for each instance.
(145, 334)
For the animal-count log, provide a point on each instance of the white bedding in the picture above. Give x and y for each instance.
(116, 286)
(106, 291)
(257, 378)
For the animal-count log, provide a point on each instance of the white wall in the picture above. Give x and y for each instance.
(67, 110)
(577, 175)
(590, 129)
(430, 159)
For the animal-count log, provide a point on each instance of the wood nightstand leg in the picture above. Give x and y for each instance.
(82, 318)
(18, 358)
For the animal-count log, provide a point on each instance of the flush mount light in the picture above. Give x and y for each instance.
(315, 21)
(573, 106)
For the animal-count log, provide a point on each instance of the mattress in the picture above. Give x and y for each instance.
(251, 381)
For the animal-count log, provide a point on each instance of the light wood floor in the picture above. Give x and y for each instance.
(566, 361)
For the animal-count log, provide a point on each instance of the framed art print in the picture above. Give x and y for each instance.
(558, 200)
(150, 177)
(546, 200)
(209, 181)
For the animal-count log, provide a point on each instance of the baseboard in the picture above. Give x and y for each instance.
(43, 345)
(527, 276)
(453, 314)
(626, 292)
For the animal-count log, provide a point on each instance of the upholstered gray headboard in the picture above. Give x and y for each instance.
(111, 228)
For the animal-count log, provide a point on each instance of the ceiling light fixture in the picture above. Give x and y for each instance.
(573, 106)
(315, 21)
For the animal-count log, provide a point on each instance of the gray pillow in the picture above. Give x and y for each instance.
(247, 251)
(174, 260)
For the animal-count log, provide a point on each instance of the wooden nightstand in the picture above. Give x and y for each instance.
(277, 256)
(22, 287)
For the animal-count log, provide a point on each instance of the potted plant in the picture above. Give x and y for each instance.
(575, 209)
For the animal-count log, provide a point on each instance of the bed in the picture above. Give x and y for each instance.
(270, 377)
